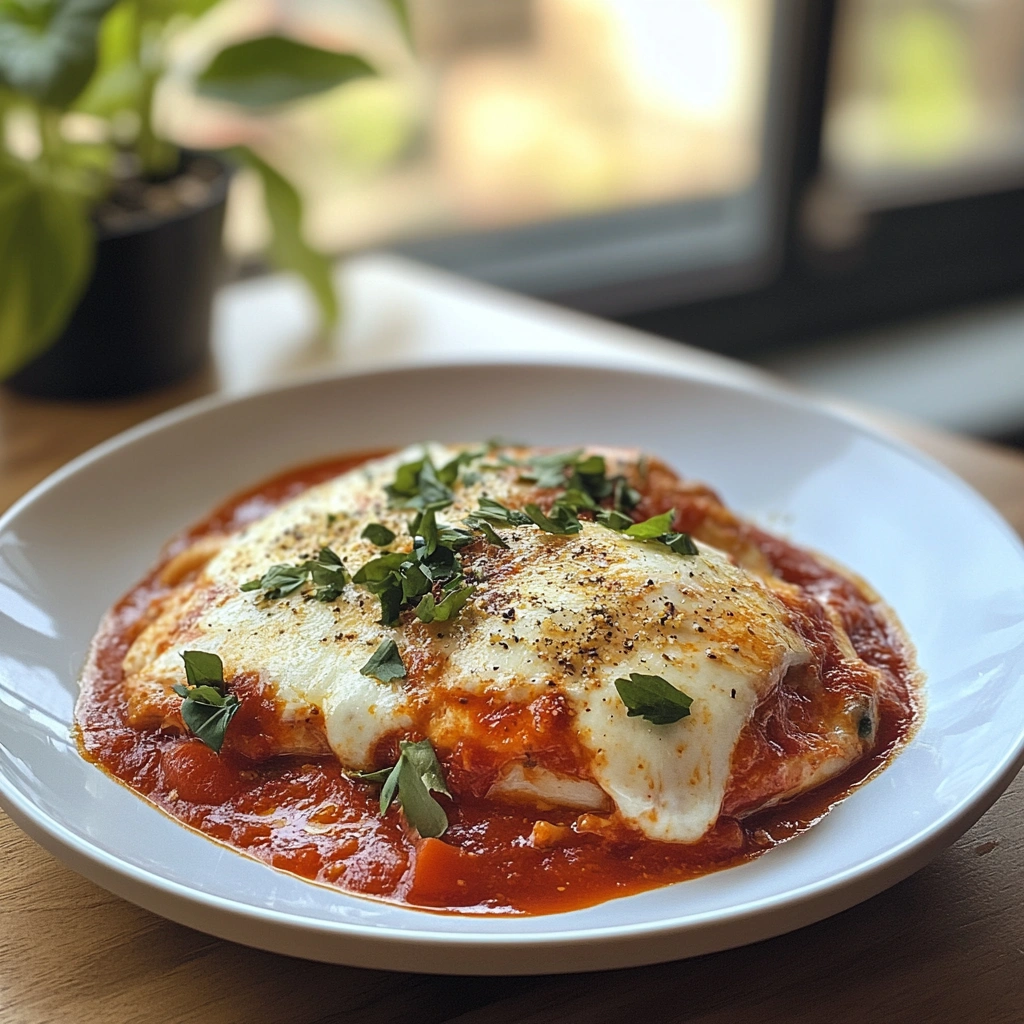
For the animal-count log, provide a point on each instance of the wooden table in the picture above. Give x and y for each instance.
(946, 945)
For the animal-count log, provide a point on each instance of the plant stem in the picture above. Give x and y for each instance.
(49, 134)
(157, 157)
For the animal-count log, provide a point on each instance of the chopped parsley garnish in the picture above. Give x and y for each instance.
(326, 572)
(653, 528)
(560, 519)
(613, 520)
(585, 480)
(657, 528)
(488, 531)
(377, 533)
(406, 579)
(419, 484)
(653, 698)
(385, 663)
(409, 782)
(279, 580)
(453, 596)
(208, 707)
(680, 543)
(492, 511)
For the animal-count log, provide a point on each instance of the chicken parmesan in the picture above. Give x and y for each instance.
(495, 679)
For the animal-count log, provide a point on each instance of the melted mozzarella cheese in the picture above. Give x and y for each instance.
(565, 615)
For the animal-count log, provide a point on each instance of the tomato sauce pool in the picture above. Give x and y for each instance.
(305, 816)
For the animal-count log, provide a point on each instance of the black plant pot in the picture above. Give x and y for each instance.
(144, 319)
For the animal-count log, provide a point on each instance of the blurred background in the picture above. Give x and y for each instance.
(830, 188)
(812, 186)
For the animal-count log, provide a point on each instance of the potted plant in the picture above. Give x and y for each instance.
(109, 233)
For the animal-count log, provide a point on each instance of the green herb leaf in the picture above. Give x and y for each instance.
(207, 708)
(415, 582)
(453, 538)
(484, 527)
(385, 663)
(422, 757)
(429, 610)
(327, 573)
(653, 698)
(417, 485)
(494, 512)
(561, 520)
(548, 471)
(379, 568)
(614, 520)
(390, 605)
(271, 70)
(576, 499)
(208, 715)
(680, 543)
(624, 497)
(426, 528)
(414, 776)
(421, 810)
(433, 492)
(652, 528)
(377, 533)
(203, 669)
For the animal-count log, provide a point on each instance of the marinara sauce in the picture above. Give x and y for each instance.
(305, 816)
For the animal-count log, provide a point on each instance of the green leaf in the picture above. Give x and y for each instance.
(119, 81)
(421, 810)
(380, 568)
(651, 529)
(279, 581)
(203, 669)
(207, 708)
(422, 757)
(494, 512)
(207, 715)
(624, 497)
(377, 533)
(561, 520)
(288, 248)
(327, 573)
(614, 520)
(433, 492)
(390, 605)
(271, 70)
(328, 557)
(406, 483)
(385, 663)
(400, 9)
(680, 543)
(484, 527)
(653, 698)
(46, 256)
(426, 529)
(548, 471)
(417, 485)
(390, 788)
(576, 499)
(429, 610)
(48, 49)
(592, 465)
(416, 773)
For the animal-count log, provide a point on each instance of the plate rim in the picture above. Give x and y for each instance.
(846, 887)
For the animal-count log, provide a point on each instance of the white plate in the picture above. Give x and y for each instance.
(942, 557)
